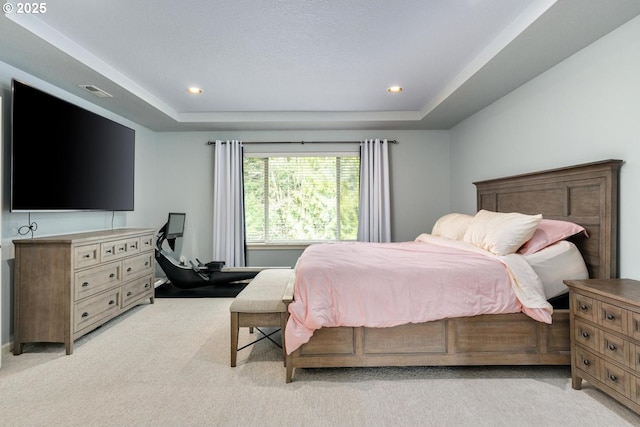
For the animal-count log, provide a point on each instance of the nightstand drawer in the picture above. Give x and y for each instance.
(583, 307)
(613, 317)
(634, 325)
(587, 362)
(616, 378)
(586, 335)
(615, 348)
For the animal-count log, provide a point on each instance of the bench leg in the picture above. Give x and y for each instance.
(234, 337)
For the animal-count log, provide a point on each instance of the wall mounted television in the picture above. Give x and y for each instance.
(66, 158)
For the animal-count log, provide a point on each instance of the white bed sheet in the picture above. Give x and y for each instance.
(555, 263)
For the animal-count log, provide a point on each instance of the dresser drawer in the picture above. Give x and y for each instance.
(583, 307)
(96, 309)
(616, 378)
(86, 256)
(117, 249)
(613, 317)
(146, 243)
(138, 266)
(615, 348)
(137, 290)
(586, 335)
(587, 362)
(97, 279)
(113, 250)
(132, 246)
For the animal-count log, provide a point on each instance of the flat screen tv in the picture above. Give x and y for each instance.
(66, 158)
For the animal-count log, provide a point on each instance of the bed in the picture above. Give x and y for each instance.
(585, 194)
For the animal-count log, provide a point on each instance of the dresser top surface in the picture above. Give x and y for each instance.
(627, 290)
(87, 236)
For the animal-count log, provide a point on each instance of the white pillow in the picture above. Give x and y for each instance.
(452, 226)
(501, 233)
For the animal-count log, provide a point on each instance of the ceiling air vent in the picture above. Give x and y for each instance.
(96, 91)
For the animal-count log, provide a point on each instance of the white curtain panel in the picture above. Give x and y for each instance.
(228, 204)
(374, 223)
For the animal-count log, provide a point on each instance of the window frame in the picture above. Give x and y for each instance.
(334, 150)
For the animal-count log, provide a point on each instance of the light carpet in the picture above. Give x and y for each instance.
(167, 364)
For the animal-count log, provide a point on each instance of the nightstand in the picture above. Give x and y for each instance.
(605, 337)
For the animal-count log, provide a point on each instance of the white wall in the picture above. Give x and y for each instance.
(419, 167)
(585, 109)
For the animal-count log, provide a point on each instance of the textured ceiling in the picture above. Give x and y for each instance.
(301, 64)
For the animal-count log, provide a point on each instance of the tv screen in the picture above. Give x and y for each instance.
(65, 158)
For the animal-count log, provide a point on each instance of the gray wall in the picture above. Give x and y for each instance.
(585, 109)
(419, 167)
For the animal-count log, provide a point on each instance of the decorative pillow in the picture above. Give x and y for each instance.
(452, 226)
(550, 231)
(501, 233)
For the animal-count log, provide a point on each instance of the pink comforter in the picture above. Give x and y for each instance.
(389, 284)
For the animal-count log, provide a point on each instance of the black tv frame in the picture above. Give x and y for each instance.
(65, 158)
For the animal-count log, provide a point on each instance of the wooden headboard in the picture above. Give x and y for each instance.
(585, 194)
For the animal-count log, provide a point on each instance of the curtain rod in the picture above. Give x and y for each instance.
(392, 141)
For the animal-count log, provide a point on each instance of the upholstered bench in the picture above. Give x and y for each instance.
(263, 302)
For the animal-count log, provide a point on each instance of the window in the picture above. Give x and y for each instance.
(301, 198)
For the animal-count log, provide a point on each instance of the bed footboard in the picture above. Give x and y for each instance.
(506, 339)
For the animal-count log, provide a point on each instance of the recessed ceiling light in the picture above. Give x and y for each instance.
(394, 89)
(194, 90)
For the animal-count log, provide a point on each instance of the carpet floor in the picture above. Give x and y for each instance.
(167, 364)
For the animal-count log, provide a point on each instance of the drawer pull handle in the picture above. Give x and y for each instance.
(129, 294)
(612, 347)
(85, 314)
(108, 251)
(112, 302)
(85, 284)
(585, 335)
(146, 285)
(112, 275)
(613, 378)
(586, 362)
(610, 316)
(129, 269)
(583, 307)
(146, 263)
(87, 256)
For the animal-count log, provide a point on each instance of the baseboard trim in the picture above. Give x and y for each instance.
(6, 348)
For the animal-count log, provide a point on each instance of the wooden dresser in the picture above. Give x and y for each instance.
(605, 337)
(68, 285)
